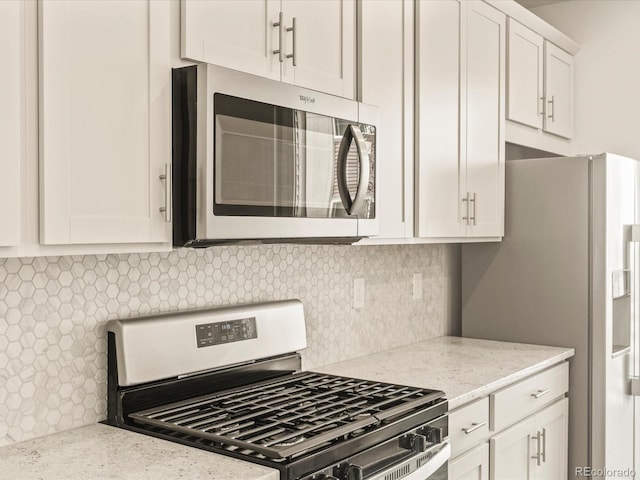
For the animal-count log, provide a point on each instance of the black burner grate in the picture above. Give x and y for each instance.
(283, 418)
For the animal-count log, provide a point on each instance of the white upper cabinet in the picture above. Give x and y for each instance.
(105, 121)
(322, 45)
(525, 87)
(540, 82)
(439, 168)
(310, 43)
(237, 35)
(460, 101)
(558, 91)
(386, 59)
(11, 118)
(482, 107)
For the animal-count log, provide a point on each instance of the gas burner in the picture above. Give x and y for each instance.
(289, 442)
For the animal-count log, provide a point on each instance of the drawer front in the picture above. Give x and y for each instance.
(518, 401)
(469, 426)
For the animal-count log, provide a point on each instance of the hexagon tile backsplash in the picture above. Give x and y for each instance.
(53, 312)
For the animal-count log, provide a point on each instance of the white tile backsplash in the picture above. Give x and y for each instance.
(53, 312)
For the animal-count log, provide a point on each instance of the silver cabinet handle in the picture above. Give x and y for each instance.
(475, 206)
(537, 456)
(279, 25)
(466, 201)
(166, 176)
(353, 132)
(293, 54)
(540, 393)
(553, 108)
(544, 445)
(474, 427)
(541, 106)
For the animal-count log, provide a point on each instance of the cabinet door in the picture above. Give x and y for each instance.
(232, 34)
(524, 75)
(11, 118)
(473, 465)
(386, 49)
(105, 120)
(482, 116)
(552, 424)
(323, 44)
(511, 452)
(439, 171)
(558, 89)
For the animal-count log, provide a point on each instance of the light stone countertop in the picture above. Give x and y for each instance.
(103, 452)
(464, 368)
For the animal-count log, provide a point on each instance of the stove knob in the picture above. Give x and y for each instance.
(354, 473)
(434, 434)
(348, 471)
(417, 443)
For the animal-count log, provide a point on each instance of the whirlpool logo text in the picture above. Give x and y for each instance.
(307, 99)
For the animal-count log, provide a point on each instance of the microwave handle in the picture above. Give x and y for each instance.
(353, 132)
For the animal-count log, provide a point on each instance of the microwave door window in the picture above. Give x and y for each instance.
(245, 163)
(317, 188)
(281, 162)
(255, 159)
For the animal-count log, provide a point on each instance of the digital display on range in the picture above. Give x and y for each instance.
(209, 334)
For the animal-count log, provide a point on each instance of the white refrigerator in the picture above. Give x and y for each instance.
(566, 274)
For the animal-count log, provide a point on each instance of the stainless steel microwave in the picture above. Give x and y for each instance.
(256, 159)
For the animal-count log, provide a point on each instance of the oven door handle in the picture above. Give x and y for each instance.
(424, 470)
(353, 132)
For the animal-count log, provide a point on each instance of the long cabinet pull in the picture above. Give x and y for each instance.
(540, 393)
(281, 32)
(475, 206)
(538, 455)
(542, 112)
(168, 200)
(466, 201)
(553, 108)
(293, 54)
(474, 427)
(544, 445)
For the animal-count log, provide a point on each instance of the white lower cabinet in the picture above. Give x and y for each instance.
(533, 449)
(473, 465)
(517, 433)
(552, 424)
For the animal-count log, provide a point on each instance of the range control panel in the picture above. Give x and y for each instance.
(209, 334)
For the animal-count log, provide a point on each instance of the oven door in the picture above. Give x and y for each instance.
(411, 456)
(276, 168)
(429, 465)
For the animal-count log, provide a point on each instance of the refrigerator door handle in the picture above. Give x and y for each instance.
(632, 235)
